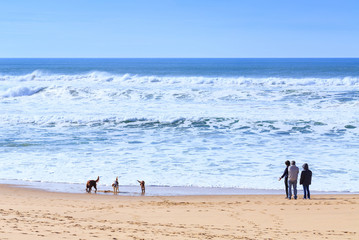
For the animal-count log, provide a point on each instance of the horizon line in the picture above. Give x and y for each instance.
(178, 57)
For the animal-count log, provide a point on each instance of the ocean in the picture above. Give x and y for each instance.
(213, 123)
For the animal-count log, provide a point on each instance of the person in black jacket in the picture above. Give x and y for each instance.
(285, 176)
(306, 180)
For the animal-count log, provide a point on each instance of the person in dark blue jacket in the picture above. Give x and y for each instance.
(306, 180)
(285, 176)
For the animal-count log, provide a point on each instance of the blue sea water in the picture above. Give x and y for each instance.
(180, 122)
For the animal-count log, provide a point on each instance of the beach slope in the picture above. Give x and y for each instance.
(34, 214)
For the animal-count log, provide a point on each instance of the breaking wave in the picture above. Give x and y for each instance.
(104, 77)
(263, 127)
(21, 91)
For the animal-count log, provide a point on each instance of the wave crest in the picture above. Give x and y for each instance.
(217, 124)
(22, 91)
(96, 76)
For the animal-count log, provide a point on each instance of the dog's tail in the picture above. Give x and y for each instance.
(98, 179)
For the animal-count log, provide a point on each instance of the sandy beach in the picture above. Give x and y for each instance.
(35, 214)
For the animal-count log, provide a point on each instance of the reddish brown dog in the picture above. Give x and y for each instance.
(142, 184)
(92, 183)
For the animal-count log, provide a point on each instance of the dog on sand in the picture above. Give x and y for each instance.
(92, 183)
(142, 184)
(115, 186)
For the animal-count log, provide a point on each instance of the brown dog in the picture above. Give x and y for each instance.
(92, 183)
(142, 184)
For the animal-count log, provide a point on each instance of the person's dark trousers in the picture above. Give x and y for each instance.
(306, 191)
(286, 186)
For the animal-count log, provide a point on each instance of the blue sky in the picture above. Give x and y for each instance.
(179, 28)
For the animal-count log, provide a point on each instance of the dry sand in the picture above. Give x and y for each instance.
(34, 214)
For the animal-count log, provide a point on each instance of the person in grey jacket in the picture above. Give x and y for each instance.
(293, 172)
(306, 180)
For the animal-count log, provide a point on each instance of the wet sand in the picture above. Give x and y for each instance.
(35, 214)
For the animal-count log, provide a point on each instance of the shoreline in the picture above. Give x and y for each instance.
(27, 213)
(153, 190)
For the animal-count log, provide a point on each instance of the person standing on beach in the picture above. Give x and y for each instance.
(285, 176)
(293, 172)
(306, 180)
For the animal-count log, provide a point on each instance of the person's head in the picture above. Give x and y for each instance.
(305, 166)
(287, 163)
(293, 162)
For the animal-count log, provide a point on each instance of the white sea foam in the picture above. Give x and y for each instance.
(182, 80)
(202, 131)
(21, 91)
